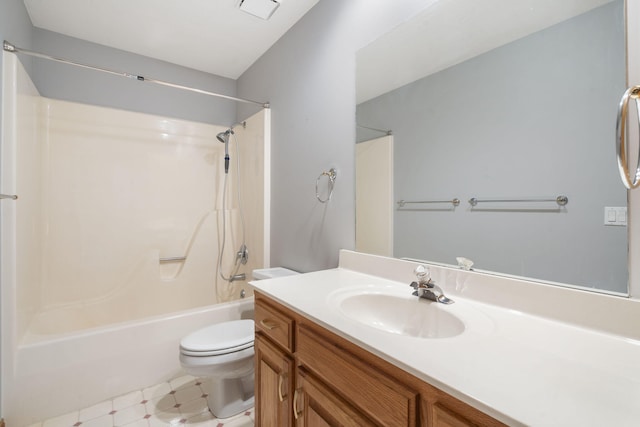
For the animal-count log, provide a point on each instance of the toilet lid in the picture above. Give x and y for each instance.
(220, 338)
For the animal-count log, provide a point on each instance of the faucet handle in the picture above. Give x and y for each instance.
(422, 273)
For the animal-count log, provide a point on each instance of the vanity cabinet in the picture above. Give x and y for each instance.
(337, 383)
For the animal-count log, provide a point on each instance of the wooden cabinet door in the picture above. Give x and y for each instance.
(316, 405)
(273, 385)
(443, 417)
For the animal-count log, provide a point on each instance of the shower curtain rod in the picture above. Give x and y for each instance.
(14, 49)
(387, 131)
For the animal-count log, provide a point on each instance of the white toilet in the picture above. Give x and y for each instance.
(222, 355)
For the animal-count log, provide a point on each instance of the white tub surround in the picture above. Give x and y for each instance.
(120, 214)
(531, 354)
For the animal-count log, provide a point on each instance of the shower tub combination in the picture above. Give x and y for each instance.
(110, 253)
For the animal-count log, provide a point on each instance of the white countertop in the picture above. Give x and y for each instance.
(520, 368)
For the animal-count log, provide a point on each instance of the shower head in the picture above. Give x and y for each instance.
(224, 138)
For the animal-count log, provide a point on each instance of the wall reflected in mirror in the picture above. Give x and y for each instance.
(523, 116)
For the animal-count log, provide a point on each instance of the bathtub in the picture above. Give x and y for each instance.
(57, 374)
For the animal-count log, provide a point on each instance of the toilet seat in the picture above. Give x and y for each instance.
(219, 339)
(215, 352)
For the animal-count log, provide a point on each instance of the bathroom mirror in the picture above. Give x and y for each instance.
(510, 103)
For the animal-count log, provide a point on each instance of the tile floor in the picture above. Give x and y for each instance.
(179, 402)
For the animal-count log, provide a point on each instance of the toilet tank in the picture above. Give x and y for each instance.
(272, 273)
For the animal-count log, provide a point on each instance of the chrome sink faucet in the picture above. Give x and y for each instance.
(426, 288)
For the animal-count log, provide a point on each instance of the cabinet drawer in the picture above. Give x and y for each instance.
(274, 324)
(383, 399)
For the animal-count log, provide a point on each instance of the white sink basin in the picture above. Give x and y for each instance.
(390, 310)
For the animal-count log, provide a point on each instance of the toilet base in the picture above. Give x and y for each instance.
(229, 397)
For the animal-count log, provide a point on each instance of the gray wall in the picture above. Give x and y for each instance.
(61, 81)
(309, 78)
(15, 27)
(533, 118)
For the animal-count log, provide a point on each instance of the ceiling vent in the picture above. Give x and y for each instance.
(260, 8)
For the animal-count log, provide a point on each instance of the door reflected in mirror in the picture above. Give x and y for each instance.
(514, 109)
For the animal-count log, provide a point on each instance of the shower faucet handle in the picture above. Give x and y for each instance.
(242, 255)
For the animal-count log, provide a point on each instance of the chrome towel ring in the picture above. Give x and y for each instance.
(332, 175)
(621, 129)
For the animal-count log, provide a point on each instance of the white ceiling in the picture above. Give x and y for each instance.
(214, 36)
(449, 32)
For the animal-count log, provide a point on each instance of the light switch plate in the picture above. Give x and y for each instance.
(616, 216)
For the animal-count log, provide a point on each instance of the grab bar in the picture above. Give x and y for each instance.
(8, 196)
(173, 259)
(401, 203)
(621, 148)
(560, 200)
